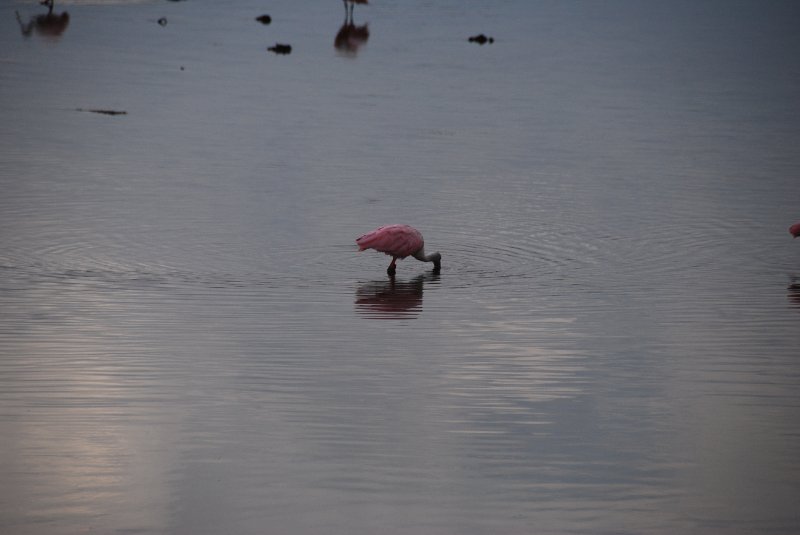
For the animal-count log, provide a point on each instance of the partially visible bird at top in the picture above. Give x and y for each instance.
(352, 3)
(794, 230)
(398, 241)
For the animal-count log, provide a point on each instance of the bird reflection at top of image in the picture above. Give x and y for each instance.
(351, 37)
(50, 25)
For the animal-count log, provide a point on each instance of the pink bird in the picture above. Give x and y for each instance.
(398, 241)
(794, 230)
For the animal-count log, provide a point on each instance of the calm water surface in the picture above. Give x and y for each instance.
(190, 342)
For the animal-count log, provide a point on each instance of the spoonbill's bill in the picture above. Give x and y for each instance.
(794, 230)
(398, 241)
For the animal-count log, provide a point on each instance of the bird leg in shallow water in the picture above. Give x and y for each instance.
(391, 269)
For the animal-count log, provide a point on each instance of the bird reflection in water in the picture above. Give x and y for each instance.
(393, 299)
(794, 280)
(50, 26)
(350, 37)
(794, 290)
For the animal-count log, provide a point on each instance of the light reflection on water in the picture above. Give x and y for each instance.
(190, 342)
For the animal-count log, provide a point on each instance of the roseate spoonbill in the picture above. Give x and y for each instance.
(398, 241)
(794, 230)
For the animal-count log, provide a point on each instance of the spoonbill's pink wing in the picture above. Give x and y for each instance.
(394, 240)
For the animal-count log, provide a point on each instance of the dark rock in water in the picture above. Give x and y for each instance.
(481, 39)
(281, 48)
(162, 21)
(264, 19)
(105, 112)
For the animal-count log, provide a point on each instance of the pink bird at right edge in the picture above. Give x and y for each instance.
(794, 230)
(398, 241)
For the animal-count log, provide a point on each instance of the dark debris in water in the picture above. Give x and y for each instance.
(162, 21)
(105, 112)
(280, 48)
(264, 19)
(481, 39)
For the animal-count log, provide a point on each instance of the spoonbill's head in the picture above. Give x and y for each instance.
(436, 258)
(794, 230)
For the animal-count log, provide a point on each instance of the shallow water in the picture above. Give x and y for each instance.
(191, 343)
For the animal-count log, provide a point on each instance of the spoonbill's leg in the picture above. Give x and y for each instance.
(391, 269)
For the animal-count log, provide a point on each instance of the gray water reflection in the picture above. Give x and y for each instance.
(188, 340)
